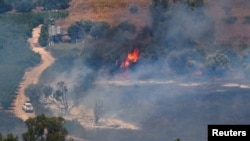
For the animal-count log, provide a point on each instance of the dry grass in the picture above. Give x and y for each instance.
(236, 34)
(111, 11)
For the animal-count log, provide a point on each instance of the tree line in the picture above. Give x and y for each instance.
(29, 5)
(41, 128)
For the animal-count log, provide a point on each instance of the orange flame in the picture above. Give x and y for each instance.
(131, 58)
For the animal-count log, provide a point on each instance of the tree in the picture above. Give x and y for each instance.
(98, 111)
(79, 29)
(47, 90)
(126, 26)
(177, 139)
(42, 127)
(191, 3)
(44, 36)
(53, 4)
(33, 91)
(217, 64)
(160, 3)
(99, 29)
(24, 5)
(61, 94)
(9, 137)
(4, 6)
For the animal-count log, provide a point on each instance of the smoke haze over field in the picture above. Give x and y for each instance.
(173, 90)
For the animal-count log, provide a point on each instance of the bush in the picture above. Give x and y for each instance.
(230, 20)
(23, 6)
(79, 29)
(4, 6)
(44, 36)
(54, 4)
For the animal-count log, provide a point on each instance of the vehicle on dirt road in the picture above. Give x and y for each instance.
(27, 107)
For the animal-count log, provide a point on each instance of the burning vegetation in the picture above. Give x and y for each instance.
(132, 57)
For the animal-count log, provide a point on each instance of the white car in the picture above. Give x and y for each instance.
(27, 107)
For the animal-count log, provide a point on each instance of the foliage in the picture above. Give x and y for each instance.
(11, 124)
(44, 36)
(99, 30)
(126, 26)
(61, 93)
(29, 5)
(217, 64)
(33, 91)
(246, 20)
(15, 55)
(160, 3)
(47, 90)
(53, 4)
(9, 137)
(23, 5)
(4, 6)
(191, 3)
(39, 125)
(230, 20)
(79, 29)
(184, 62)
(177, 139)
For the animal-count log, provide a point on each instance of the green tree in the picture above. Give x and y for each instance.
(79, 29)
(53, 4)
(44, 36)
(47, 90)
(191, 3)
(160, 3)
(4, 6)
(177, 139)
(99, 30)
(24, 5)
(33, 91)
(9, 137)
(41, 127)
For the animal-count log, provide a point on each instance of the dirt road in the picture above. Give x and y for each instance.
(32, 75)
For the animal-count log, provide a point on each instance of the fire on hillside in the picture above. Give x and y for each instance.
(132, 57)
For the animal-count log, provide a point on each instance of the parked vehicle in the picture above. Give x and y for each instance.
(27, 107)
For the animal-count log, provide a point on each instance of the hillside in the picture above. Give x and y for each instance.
(111, 11)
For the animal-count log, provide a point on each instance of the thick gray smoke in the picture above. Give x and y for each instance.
(178, 92)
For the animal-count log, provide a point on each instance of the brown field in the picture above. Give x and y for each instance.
(236, 34)
(111, 11)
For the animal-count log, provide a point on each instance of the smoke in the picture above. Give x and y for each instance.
(169, 91)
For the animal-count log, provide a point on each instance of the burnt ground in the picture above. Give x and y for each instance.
(168, 111)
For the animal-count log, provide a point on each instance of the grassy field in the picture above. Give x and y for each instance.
(111, 11)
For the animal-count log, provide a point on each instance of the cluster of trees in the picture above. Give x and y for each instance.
(45, 128)
(9, 137)
(109, 45)
(116, 40)
(81, 29)
(28, 5)
(41, 128)
(152, 41)
(15, 53)
(36, 91)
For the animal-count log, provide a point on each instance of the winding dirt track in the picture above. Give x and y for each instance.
(32, 75)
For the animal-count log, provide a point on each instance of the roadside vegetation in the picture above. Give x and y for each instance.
(38, 128)
(15, 52)
(25, 6)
